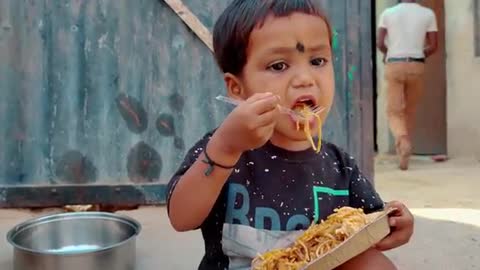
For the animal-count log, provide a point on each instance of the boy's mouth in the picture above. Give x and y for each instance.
(302, 101)
(299, 105)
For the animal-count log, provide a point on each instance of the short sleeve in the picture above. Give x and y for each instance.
(382, 21)
(362, 192)
(190, 158)
(432, 23)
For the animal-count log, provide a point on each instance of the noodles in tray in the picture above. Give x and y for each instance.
(316, 241)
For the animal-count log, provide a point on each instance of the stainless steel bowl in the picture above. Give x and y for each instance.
(75, 241)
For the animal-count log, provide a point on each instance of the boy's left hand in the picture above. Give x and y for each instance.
(401, 223)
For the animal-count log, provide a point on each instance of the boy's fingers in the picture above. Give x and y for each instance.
(396, 239)
(389, 242)
(266, 104)
(392, 222)
(267, 130)
(396, 221)
(382, 246)
(399, 207)
(258, 96)
(402, 229)
(267, 118)
(400, 222)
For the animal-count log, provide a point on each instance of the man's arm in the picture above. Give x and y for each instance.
(382, 33)
(431, 43)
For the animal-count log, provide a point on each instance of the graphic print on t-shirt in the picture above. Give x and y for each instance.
(249, 231)
(262, 217)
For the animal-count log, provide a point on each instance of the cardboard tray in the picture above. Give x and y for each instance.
(358, 243)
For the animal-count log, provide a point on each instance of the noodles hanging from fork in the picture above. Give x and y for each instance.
(306, 113)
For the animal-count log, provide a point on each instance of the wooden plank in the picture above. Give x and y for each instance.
(191, 21)
(58, 196)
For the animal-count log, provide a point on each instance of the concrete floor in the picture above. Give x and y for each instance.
(441, 195)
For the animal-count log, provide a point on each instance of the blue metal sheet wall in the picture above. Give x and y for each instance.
(114, 92)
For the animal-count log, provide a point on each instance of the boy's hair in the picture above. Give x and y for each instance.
(232, 30)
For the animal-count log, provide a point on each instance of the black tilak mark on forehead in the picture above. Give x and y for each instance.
(300, 47)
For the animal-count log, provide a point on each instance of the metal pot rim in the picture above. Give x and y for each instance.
(74, 215)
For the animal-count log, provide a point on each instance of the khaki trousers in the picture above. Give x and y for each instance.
(405, 86)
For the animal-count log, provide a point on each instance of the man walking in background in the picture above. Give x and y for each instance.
(407, 35)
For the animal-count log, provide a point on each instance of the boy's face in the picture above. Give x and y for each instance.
(290, 57)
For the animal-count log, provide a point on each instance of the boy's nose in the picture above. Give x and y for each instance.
(303, 79)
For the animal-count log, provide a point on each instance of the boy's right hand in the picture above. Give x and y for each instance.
(250, 125)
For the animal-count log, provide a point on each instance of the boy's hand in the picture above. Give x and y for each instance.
(401, 223)
(250, 125)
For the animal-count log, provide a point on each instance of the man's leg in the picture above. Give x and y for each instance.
(369, 260)
(413, 93)
(395, 78)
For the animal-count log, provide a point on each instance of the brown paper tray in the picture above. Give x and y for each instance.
(377, 229)
(358, 243)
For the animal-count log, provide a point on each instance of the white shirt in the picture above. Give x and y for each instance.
(407, 25)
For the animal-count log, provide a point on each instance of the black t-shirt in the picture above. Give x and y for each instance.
(273, 192)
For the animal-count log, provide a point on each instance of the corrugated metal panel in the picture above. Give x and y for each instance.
(113, 92)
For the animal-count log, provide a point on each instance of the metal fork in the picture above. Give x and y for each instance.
(294, 114)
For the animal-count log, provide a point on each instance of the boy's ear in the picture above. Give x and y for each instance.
(234, 86)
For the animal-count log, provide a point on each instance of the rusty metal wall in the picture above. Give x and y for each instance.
(106, 96)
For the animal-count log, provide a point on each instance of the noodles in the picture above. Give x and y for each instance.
(306, 112)
(317, 240)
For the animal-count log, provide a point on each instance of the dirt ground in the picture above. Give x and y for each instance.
(441, 195)
(444, 199)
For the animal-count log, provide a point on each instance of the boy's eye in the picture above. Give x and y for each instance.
(280, 66)
(319, 61)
